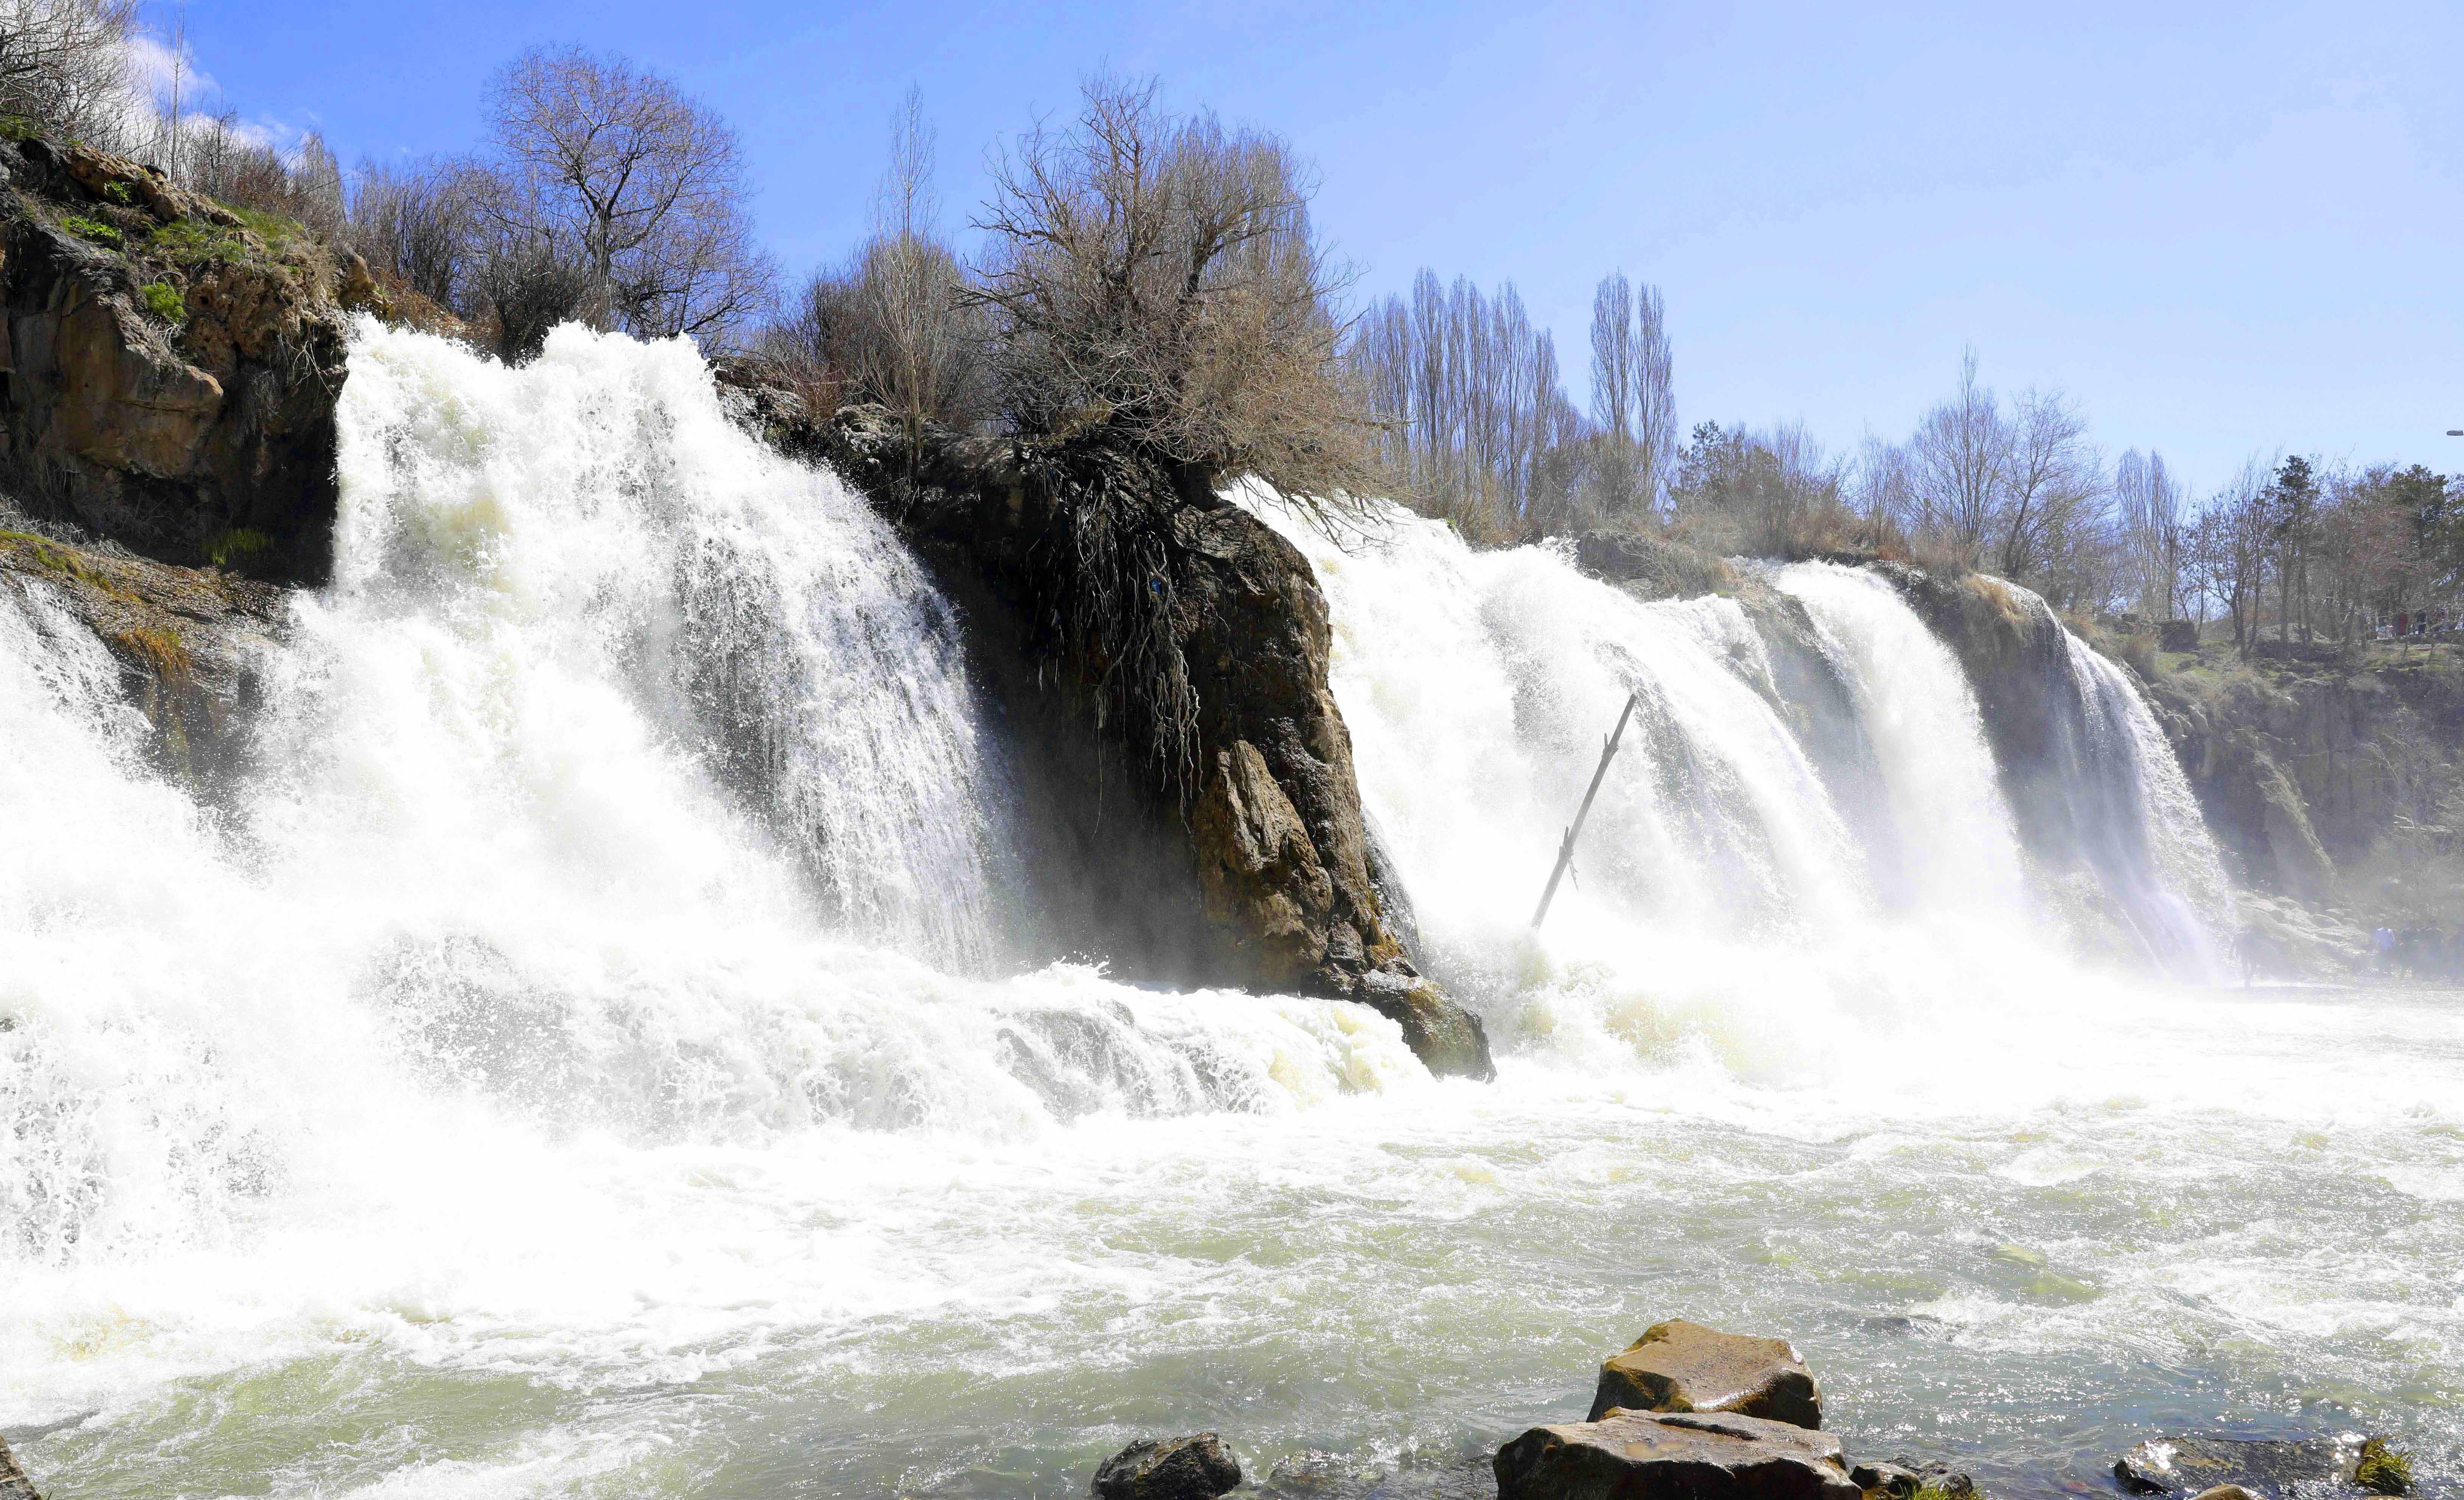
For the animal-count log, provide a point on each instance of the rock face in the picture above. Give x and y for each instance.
(168, 375)
(187, 640)
(2302, 769)
(1630, 1455)
(1679, 1366)
(1251, 864)
(1181, 1468)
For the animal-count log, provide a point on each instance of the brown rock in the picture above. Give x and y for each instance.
(1682, 1366)
(1180, 1469)
(213, 443)
(1237, 821)
(1630, 1455)
(14, 1483)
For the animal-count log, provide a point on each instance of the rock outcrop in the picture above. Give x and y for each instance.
(1629, 1455)
(1246, 861)
(1179, 1468)
(1678, 1366)
(168, 375)
(188, 641)
(1652, 567)
(2302, 769)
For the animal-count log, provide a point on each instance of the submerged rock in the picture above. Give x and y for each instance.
(2264, 1467)
(1683, 1366)
(1680, 1456)
(1194, 1467)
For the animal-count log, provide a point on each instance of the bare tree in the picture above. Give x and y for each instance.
(1958, 459)
(919, 357)
(1155, 278)
(64, 64)
(2152, 517)
(2229, 549)
(1632, 409)
(416, 225)
(618, 169)
(2052, 480)
(1478, 427)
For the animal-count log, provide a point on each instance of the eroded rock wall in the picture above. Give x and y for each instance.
(169, 369)
(1259, 871)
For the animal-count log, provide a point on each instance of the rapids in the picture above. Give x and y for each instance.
(589, 1054)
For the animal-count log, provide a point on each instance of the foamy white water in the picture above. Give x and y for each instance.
(579, 1061)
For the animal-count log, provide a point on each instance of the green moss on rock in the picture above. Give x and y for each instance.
(2384, 1468)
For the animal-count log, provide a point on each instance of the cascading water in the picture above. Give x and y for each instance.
(1735, 851)
(565, 1061)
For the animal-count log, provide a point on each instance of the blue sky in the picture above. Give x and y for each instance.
(2225, 228)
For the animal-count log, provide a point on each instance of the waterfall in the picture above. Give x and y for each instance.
(1767, 871)
(626, 785)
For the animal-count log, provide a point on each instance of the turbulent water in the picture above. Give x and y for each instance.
(585, 1055)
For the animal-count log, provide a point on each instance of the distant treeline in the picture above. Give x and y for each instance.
(1154, 280)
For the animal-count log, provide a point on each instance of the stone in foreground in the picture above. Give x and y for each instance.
(1633, 1455)
(1178, 1468)
(1682, 1366)
(2271, 1466)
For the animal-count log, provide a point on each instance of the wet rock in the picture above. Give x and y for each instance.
(1683, 1366)
(1680, 1456)
(2267, 1466)
(189, 643)
(1229, 771)
(2225, 1492)
(14, 1483)
(1888, 1479)
(1194, 1467)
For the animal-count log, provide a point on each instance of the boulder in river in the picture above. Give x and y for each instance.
(1176, 1469)
(1682, 1366)
(1636, 1455)
(2263, 1466)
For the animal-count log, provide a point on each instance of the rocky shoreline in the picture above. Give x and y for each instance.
(1693, 1412)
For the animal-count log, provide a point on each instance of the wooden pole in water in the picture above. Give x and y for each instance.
(1566, 850)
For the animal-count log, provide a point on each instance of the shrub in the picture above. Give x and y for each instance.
(1157, 286)
(95, 229)
(188, 242)
(117, 192)
(163, 300)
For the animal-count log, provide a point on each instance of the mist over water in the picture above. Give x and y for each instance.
(582, 1056)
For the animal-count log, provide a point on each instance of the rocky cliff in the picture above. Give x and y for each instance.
(1253, 865)
(168, 377)
(2314, 775)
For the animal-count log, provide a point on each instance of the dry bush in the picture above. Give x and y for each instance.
(64, 65)
(1154, 280)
